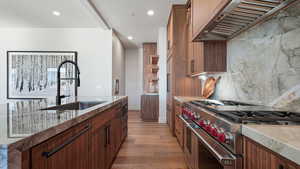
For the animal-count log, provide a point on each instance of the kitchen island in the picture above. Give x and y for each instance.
(33, 136)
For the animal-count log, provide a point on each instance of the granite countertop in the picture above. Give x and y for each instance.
(24, 125)
(183, 99)
(284, 140)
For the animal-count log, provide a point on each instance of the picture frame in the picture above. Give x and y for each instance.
(32, 74)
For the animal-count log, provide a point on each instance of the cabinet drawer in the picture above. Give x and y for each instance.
(179, 130)
(57, 151)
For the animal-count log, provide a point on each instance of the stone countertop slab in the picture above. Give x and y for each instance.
(183, 99)
(284, 140)
(24, 125)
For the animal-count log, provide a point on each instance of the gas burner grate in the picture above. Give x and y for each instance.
(204, 103)
(261, 117)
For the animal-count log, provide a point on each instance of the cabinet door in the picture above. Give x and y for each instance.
(258, 157)
(170, 33)
(98, 149)
(116, 134)
(188, 147)
(198, 55)
(69, 150)
(109, 150)
(203, 12)
(195, 151)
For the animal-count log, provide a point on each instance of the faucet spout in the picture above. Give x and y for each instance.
(77, 79)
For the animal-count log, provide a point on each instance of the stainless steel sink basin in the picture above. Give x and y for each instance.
(75, 106)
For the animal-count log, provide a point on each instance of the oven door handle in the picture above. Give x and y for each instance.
(225, 157)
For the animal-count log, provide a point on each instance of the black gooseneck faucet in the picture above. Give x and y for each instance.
(77, 79)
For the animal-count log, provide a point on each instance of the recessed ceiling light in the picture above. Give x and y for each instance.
(56, 13)
(150, 12)
(130, 37)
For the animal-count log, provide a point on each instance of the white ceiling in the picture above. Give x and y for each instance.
(38, 13)
(129, 18)
(126, 17)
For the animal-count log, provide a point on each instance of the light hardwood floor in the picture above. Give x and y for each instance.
(149, 146)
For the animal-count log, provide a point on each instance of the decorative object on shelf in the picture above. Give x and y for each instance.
(117, 87)
(32, 74)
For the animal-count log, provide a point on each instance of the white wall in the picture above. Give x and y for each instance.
(162, 73)
(134, 77)
(94, 48)
(118, 64)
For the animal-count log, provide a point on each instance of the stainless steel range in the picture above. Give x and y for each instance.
(221, 121)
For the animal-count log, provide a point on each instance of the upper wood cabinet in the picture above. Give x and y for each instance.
(203, 12)
(170, 34)
(208, 56)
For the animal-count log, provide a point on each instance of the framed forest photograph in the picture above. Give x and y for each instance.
(33, 74)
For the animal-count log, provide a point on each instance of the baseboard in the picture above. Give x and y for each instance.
(162, 120)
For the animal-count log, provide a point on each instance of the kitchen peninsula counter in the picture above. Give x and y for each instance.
(24, 124)
(281, 139)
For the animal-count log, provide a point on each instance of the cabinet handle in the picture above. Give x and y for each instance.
(193, 66)
(69, 141)
(280, 166)
(107, 140)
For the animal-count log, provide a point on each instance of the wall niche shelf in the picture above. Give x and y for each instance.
(154, 59)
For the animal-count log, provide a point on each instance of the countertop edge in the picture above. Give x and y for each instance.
(183, 99)
(284, 149)
(37, 138)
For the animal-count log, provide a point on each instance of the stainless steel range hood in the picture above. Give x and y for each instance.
(241, 15)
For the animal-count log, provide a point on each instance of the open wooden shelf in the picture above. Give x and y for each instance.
(154, 59)
(154, 80)
(154, 70)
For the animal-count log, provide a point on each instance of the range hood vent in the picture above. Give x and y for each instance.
(241, 15)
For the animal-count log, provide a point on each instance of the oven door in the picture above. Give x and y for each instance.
(210, 154)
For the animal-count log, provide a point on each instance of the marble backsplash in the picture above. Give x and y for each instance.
(264, 62)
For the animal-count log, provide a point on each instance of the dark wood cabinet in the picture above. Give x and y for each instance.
(208, 56)
(191, 148)
(98, 148)
(92, 144)
(178, 83)
(150, 108)
(257, 156)
(203, 13)
(179, 131)
(69, 150)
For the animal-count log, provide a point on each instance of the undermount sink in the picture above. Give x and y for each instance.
(76, 105)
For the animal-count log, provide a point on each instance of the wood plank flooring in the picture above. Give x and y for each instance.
(149, 146)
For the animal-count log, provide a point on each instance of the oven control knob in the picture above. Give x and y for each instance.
(207, 125)
(194, 116)
(197, 117)
(214, 130)
(208, 128)
(225, 137)
(201, 123)
(207, 122)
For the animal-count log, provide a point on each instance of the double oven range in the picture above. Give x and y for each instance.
(217, 124)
